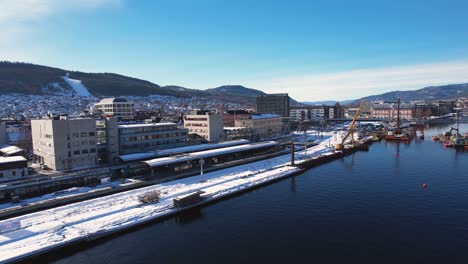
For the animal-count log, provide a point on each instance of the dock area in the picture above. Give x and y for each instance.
(37, 233)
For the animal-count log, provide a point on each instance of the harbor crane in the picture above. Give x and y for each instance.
(340, 146)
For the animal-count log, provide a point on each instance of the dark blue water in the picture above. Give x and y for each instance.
(367, 208)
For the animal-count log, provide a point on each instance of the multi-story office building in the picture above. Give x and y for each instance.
(262, 126)
(317, 112)
(206, 124)
(230, 116)
(134, 138)
(273, 104)
(63, 143)
(107, 139)
(117, 107)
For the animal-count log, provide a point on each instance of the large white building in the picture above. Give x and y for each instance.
(262, 126)
(299, 114)
(63, 143)
(205, 124)
(118, 107)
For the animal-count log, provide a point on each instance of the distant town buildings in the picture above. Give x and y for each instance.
(117, 107)
(390, 111)
(273, 104)
(63, 143)
(316, 112)
(205, 124)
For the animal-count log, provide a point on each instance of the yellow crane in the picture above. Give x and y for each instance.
(340, 146)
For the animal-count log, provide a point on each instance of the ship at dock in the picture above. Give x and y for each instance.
(398, 133)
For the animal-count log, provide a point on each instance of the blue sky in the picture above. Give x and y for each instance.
(314, 50)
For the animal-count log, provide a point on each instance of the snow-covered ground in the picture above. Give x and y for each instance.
(41, 231)
(79, 88)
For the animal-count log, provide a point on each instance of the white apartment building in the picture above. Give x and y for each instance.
(118, 107)
(317, 112)
(63, 143)
(205, 124)
(299, 114)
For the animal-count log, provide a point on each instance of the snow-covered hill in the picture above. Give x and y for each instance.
(77, 86)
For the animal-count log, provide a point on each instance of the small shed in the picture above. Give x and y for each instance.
(188, 199)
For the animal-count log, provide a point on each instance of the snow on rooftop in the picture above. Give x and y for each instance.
(167, 152)
(12, 159)
(265, 116)
(208, 153)
(234, 128)
(9, 150)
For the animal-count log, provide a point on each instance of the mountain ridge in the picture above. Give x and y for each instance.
(28, 78)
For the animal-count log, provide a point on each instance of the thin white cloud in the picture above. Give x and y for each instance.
(17, 17)
(30, 10)
(358, 83)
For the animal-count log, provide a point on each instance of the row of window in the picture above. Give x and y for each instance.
(13, 173)
(149, 137)
(83, 134)
(196, 125)
(82, 143)
(154, 144)
(196, 118)
(148, 129)
(114, 105)
(84, 151)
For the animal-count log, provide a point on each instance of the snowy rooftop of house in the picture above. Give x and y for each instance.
(11, 159)
(9, 150)
(113, 100)
(167, 152)
(146, 125)
(265, 116)
(208, 153)
(234, 128)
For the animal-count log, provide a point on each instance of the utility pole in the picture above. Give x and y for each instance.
(201, 170)
(292, 154)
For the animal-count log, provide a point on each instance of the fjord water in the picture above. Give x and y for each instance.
(368, 207)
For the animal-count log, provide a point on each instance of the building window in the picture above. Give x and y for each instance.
(76, 152)
(1, 174)
(92, 150)
(84, 151)
(13, 173)
(84, 134)
(75, 135)
(92, 134)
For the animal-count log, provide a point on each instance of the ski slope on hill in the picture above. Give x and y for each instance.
(77, 86)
